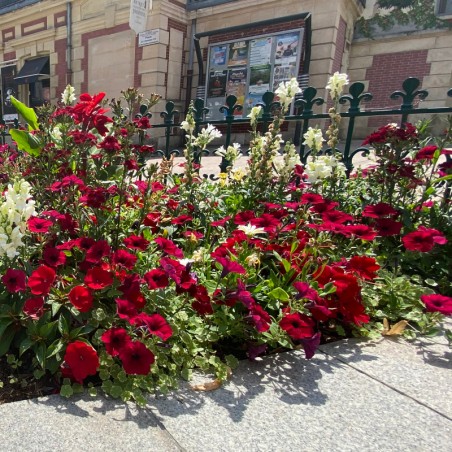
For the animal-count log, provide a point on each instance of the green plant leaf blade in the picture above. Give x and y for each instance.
(26, 142)
(27, 113)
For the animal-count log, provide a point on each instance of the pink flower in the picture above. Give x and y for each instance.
(437, 303)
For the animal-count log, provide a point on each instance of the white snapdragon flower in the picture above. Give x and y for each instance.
(286, 92)
(56, 133)
(231, 154)
(254, 115)
(16, 207)
(250, 230)
(314, 139)
(336, 84)
(188, 125)
(323, 167)
(68, 95)
(206, 136)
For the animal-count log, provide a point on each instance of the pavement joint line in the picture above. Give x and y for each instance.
(387, 385)
(170, 435)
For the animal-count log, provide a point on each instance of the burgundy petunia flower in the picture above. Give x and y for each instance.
(437, 303)
(53, 257)
(230, 266)
(169, 247)
(126, 309)
(34, 307)
(136, 358)
(124, 259)
(14, 280)
(310, 345)
(97, 251)
(221, 222)
(98, 278)
(181, 219)
(136, 242)
(336, 216)
(297, 326)
(115, 339)
(41, 280)
(305, 291)
(426, 153)
(82, 360)
(82, 298)
(260, 318)
(39, 225)
(156, 279)
(379, 210)
(387, 227)
(423, 239)
(155, 324)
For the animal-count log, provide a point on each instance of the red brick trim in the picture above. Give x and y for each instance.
(105, 32)
(9, 34)
(42, 21)
(340, 46)
(9, 56)
(60, 19)
(180, 26)
(61, 66)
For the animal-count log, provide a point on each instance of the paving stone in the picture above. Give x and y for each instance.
(421, 370)
(80, 424)
(286, 403)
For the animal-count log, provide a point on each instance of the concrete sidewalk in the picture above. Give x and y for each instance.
(353, 395)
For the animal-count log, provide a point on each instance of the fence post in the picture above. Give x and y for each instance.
(410, 86)
(229, 108)
(168, 116)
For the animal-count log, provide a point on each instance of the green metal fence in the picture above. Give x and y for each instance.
(303, 116)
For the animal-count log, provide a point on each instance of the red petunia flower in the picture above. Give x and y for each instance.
(361, 231)
(221, 222)
(82, 298)
(336, 216)
(136, 242)
(41, 280)
(126, 309)
(426, 153)
(14, 280)
(168, 247)
(82, 360)
(366, 267)
(98, 278)
(379, 210)
(136, 358)
(34, 307)
(423, 239)
(39, 225)
(156, 279)
(437, 303)
(115, 339)
(155, 324)
(181, 219)
(297, 326)
(230, 266)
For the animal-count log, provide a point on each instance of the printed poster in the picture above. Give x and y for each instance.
(260, 51)
(260, 79)
(9, 88)
(287, 48)
(238, 53)
(217, 84)
(236, 86)
(218, 55)
(214, 105)
(283, 74)
(251, 101)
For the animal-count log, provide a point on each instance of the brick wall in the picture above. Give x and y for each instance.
(386, 75)
(340, 46)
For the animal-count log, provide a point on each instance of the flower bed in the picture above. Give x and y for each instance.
(118, 274)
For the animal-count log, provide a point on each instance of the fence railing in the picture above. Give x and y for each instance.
(303, 116)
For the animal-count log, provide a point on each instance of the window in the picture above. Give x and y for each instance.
(443, 9)
(249, 67)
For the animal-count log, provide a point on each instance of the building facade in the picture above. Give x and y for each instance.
(206, 48)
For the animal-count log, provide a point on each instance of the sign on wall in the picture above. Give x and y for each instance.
(249, 67)
(139, 14)
(149, 37)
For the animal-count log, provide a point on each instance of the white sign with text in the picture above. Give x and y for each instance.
(146, 38)
(139, 14)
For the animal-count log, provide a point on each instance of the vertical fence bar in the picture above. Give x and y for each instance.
(229, 109)
(168, 116)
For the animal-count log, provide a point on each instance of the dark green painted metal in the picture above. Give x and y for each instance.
(168, 116)
(229, 109)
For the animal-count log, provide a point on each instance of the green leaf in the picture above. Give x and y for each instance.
(55, 348)
(66, 391)
(27, 113)
(279, 294)
(4, 323)
(26, 142)
(231, 361)
(63, 326)
(40, 352)
(25, 345)
(6, 339)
